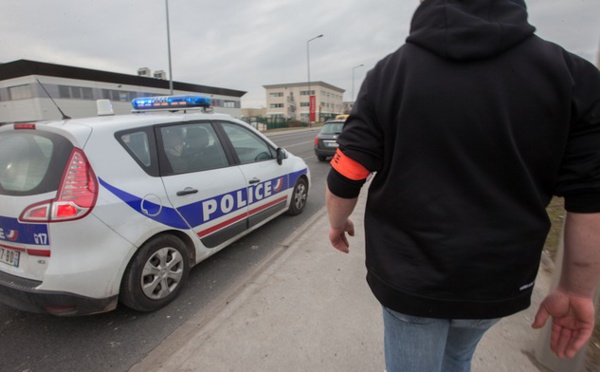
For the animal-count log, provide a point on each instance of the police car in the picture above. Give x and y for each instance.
(111, 209)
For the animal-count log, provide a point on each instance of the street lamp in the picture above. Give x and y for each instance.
(354, 68)
(169, 50)
(308, 67)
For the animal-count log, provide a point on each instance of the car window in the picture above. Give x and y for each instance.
(173, 142)
(140, 145)
(32, 162)
(335, 128)
(202, 149)
(192, 147)
(249, 147)
(137, 142)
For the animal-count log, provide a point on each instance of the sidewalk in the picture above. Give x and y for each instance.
(311, 310)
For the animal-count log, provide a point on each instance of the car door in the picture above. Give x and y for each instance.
(202, 182)
(266, 179)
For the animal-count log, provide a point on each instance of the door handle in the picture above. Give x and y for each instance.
(187, 191)
(254, 180)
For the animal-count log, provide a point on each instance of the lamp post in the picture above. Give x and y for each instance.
(310, 107)
(354, 68)
(169, 49)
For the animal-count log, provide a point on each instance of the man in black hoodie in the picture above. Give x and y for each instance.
(470, 128)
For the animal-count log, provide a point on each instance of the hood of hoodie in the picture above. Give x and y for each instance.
(469, 29)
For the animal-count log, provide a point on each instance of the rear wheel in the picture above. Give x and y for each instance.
(298, 197)
(156, 274)
(321, 157)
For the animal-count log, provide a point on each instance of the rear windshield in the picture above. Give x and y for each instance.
(332, 128)
(32, 162)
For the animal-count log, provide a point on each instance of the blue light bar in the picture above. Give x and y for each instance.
(170, 102)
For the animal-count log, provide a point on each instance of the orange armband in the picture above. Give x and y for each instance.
(349, 168)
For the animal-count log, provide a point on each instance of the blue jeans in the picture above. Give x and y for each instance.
(415, 344)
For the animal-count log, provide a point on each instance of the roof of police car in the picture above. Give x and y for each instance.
(116, 122)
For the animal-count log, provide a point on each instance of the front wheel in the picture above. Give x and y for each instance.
(156, 274)
(299, 196)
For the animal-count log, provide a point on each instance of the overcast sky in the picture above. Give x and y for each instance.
(245, 44)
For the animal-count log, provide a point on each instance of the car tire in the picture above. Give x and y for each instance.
(156, 274)
(321, 157)
(299, 196)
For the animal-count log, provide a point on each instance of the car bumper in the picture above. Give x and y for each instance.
(22, 294)
(325, 152)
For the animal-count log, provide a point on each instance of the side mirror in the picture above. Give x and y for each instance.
(281, 154)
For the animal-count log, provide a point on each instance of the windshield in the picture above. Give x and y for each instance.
(31, 162)
(332, 128)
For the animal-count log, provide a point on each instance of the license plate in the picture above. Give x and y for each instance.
(10, 257)
(331, 144)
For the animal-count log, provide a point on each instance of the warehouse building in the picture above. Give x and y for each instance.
(28, 89)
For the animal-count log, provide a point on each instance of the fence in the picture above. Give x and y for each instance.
(266, 123)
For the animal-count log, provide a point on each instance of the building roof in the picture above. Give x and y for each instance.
(313, 83)
(23, 67)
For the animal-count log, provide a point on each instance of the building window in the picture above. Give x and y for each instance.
(304, 104)
(76, 92)
(87, 93)
(229, 104)
(276, 94)
(276, 105)
(64, 91)
(20, 92)
(306, 93)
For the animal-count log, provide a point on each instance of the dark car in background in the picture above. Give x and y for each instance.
(326, 141)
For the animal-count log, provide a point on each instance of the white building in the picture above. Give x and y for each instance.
(75, 90)
(290, 101)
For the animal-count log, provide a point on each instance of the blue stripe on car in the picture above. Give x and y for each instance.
(207, 210)
(167, 216)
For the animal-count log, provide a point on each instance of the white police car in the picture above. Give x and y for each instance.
(113, 209)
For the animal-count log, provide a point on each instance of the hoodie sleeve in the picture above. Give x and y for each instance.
(579, 176)
(361, 138)
(361, 147)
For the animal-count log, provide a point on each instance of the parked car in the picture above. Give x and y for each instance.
(326, 141)
(111, 209)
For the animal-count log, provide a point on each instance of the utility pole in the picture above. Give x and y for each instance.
(169, 50)
(311, 100)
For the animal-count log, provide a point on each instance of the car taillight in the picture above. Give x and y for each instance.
(316, 141)
(25, 126)
(76, 194)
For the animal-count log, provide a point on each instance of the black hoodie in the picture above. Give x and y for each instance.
(471, 127)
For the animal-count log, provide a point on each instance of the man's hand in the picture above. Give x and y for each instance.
(572, 321)
(338, 238)
(339, 211)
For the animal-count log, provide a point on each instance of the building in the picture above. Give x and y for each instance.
(23, 87)
(254, 112)
(290, 101)
(348, 105)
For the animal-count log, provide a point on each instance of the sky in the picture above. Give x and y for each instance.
(245, 44)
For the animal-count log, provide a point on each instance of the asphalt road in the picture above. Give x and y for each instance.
(117, 340)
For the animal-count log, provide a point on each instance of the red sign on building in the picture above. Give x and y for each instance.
(312, 103)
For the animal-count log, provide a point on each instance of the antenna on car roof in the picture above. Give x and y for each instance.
(64, 117)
